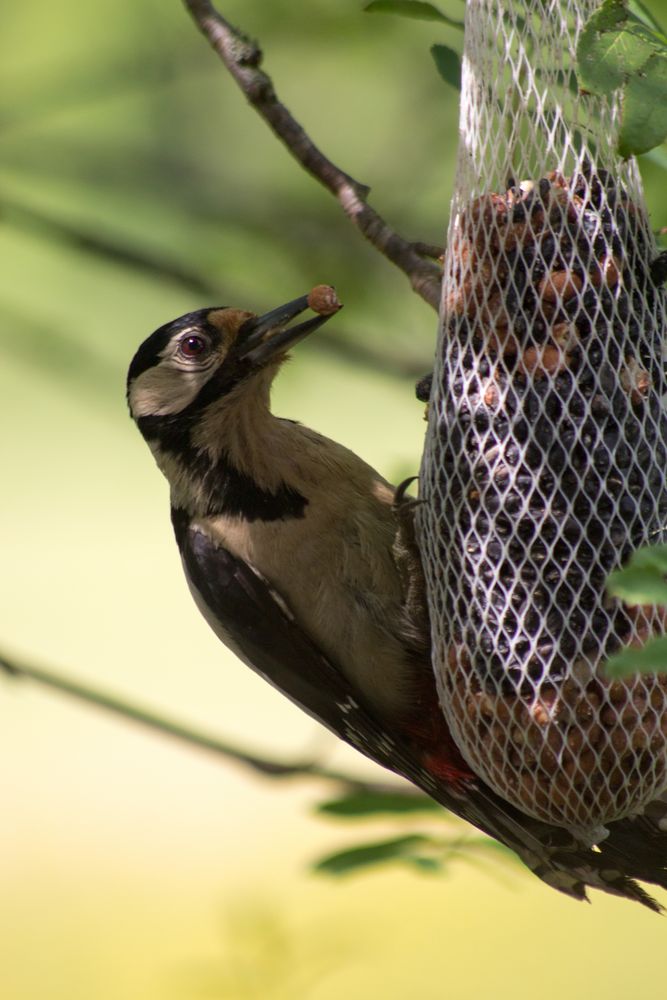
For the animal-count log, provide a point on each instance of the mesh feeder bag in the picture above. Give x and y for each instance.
(545, 462)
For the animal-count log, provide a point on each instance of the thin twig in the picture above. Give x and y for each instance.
(203, 741)
(243, 58)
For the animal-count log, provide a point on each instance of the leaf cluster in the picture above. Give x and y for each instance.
(626, 51)
(622, 47)
(423, 851)
(642, 581)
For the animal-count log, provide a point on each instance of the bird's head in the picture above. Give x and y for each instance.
(197, 359)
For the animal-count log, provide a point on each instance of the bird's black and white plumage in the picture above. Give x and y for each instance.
(299, 556)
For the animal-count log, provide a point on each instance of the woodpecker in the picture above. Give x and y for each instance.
(302, 560)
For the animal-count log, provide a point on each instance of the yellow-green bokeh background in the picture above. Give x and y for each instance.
(132, 867)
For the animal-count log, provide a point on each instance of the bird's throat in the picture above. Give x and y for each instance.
(228, 462)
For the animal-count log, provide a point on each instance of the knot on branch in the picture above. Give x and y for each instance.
(245, 52)
(258, 88)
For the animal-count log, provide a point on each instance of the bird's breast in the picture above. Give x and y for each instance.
(335, 571)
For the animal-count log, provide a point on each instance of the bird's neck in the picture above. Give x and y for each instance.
(233, 458)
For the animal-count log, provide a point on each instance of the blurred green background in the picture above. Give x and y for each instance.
(133, 179)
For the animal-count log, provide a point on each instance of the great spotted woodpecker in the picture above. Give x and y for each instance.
(301, 558)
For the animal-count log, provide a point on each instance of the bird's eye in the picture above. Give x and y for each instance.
(193, 346)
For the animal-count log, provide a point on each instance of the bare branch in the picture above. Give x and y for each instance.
(243, 58)
(203, 741)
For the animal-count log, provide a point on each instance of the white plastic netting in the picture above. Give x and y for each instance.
(546, 457)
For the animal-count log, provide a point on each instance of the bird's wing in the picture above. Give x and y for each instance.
(252, 619)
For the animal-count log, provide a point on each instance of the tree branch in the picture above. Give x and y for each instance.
(243, 58)
(203, 741)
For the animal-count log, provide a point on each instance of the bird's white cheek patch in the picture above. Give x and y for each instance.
(163, 390)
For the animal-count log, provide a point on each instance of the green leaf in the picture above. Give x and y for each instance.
(634, 585)
(613, 45)
(396, 849)
(414, 9)
(424, 864)
(644, 119)
(373, 803)
(650, 557)
(641, 11)
(648, 659)
(644, 579)
(448, 64)
(616, 50)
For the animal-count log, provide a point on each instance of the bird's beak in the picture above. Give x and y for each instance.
(262, 338)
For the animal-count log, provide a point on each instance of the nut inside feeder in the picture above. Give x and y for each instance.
(546, 456)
